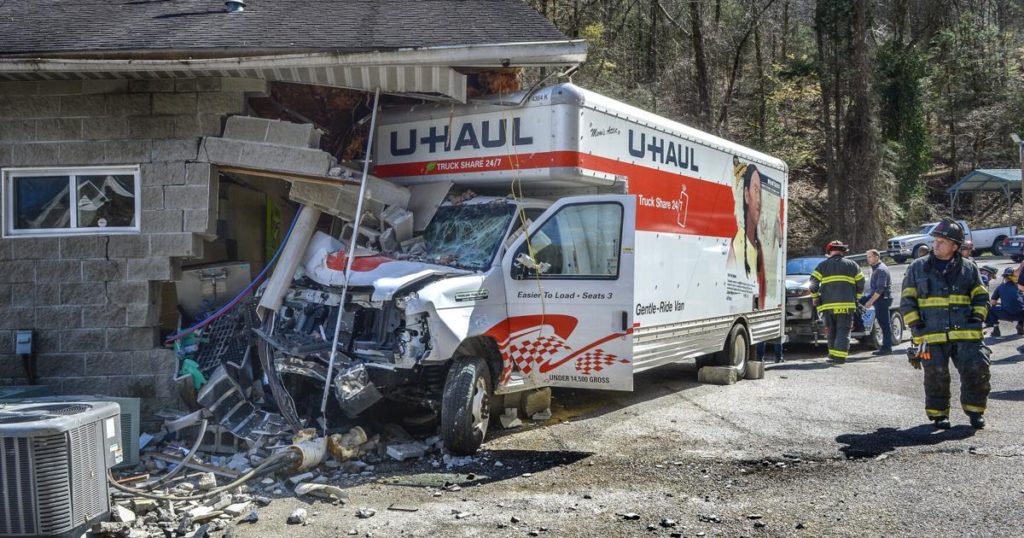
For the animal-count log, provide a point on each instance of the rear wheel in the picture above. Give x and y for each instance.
(997, 247)
(466, 405)
(917, 251)
(737, 351)
(1017, 259)
(875, 340)
(899, 259)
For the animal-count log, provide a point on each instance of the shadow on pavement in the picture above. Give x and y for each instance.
(1009, 395)
(1012, 359)
(882, 440)
(478, 472)
(803, 365)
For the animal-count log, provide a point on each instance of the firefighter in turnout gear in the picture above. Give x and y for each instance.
(945, 305)
(836, 284)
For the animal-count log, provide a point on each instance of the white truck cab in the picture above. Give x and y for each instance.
(605, 241)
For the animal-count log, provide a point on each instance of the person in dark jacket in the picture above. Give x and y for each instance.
(1007, 304)
(881, 299)
(945, 304)
(836, 285)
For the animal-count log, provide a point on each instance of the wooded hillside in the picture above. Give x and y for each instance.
(877, 105)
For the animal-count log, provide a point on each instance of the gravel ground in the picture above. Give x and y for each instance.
(811, 450)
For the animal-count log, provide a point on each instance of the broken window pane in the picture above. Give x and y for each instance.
(41, 202)
(467, 235)
(106, 201)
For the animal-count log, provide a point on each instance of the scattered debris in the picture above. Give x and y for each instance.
(122, 514)
(298, 517)
(365, 513)
(668, 523)
(252, 517)
(404, 451)
(207, 482)
(403, 508)
(323, 491)
(630, 516)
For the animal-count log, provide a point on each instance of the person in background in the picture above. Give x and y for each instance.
(762, 349)
(967, 250)
(881, 298)
(987, 274)
(1007, 304)
(836, 285)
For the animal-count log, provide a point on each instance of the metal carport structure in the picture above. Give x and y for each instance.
(1004, 180)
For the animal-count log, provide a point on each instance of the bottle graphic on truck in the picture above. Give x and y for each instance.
(684, 202)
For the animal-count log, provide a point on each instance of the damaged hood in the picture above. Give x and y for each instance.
(326, 258)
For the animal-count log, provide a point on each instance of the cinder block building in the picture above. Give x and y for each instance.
(109, 189)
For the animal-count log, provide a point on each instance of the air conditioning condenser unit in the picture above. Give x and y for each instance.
(53, 466)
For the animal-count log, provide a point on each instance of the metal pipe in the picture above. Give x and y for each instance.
(291, 257)
(351, 256)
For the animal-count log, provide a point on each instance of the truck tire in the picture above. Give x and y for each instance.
(1017, 259)
(915, 250)
(997, 247)
(465, 405)
(874, 340)
(899, 259)
(737, 351)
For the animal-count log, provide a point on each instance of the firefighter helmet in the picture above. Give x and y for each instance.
(836, 245)
(949, 229)
(1008, 272)
(990, 270)
(968, 244)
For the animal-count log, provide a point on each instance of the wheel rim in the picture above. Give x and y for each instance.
(739, 350)
(876, 333)
(480, 406)
(897, 329)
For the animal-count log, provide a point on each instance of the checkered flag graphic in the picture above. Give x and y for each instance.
(527, 353)
(595, 361)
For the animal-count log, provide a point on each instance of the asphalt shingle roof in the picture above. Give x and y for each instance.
(67, 27)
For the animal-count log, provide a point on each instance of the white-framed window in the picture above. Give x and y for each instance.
(98, 200)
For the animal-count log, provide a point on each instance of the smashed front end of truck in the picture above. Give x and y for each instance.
(387, 344)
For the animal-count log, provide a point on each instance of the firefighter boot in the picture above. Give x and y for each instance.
(942, 423)
(995, 331)
(1020, 327)
(977, 420)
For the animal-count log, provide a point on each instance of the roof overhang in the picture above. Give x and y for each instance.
(434, 71)
(988, 180)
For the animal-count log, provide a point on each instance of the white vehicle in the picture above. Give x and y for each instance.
(604, 241)
(908, 246)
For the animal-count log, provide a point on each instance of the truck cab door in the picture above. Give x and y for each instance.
(569, 287)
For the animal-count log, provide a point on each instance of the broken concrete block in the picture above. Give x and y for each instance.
(237, 509)
(717, 375)
(400, 220)
(122, 514)
(404, 451)
(207, 481)
(510, 418)
(247, 128)
(323, 491)
(535, 401)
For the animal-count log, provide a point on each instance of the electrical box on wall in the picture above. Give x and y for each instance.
(23, 342)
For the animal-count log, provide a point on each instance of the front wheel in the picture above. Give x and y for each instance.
(899, 259)
(877, 339)
(466, 405)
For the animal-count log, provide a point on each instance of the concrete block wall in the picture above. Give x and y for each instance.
(93, 301)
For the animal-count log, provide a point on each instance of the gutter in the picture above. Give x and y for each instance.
(528, 54)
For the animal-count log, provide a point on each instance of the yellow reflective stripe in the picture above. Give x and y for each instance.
(959, 299)
(838, 353)
(838, 278)
(859, 295)
(837, 306)
(973, 408)
(936, 413)
(911, 317)
(815, 295)
(933, 302)
(816, 274)
(978, 290)
(965, 335)
(981, 311)
(933, 338)
(910, 292)
(860, 276)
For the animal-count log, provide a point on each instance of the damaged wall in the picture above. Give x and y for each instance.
(94, 300)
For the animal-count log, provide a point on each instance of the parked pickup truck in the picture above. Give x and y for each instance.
(906, 246)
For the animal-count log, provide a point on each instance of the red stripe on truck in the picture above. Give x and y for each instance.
(666, 201)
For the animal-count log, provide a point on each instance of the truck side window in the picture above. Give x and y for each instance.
(579, 241)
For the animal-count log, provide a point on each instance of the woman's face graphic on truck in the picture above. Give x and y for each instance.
(752, 195)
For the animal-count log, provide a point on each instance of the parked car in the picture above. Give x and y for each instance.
(1013, 247)
(905, 247)
(804, 325)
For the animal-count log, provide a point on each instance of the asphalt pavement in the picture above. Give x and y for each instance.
(810, 450)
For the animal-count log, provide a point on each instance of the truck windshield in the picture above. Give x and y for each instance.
(467, 236)
(802, 266)
(926, 229)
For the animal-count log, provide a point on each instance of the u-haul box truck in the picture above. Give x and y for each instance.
(604, 241)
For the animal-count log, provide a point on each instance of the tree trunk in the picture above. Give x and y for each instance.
(701, 65)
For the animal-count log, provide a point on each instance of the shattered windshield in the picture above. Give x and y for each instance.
(467, 236)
